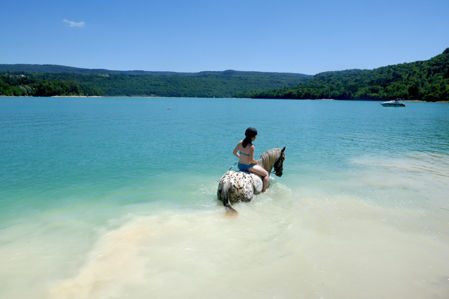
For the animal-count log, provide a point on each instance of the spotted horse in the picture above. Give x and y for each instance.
(235, 186)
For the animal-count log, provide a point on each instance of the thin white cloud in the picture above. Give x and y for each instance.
(74, 24)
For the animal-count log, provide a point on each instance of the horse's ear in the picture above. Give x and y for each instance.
(283, 150)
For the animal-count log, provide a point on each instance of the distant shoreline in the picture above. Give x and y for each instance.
(165, 97)
(73, 97)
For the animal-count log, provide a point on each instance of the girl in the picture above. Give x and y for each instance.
(245, 152)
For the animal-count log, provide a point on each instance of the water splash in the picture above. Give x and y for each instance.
(287, 243)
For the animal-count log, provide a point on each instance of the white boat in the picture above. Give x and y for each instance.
(393, 103)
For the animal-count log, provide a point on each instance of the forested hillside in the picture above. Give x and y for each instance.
(30, 80)
(422, 80)
(17, 84)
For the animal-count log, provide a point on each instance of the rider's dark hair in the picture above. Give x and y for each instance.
(249, 134)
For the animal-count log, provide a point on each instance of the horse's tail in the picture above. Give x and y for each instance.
(223, 196)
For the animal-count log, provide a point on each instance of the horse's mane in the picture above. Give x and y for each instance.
(268, 158)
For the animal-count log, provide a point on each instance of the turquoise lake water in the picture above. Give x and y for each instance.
(116, 197)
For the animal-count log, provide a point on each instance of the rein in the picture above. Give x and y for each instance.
(233, 165)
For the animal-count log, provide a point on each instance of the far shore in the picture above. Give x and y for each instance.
(154, 96)
(76, 97)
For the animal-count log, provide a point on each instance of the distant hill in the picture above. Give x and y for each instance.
(53, 68)
(422, 80)
(28, 79)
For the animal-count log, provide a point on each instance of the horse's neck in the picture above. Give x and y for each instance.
(268, 167)
(266, 163)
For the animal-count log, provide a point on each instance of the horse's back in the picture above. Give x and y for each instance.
(239, 186)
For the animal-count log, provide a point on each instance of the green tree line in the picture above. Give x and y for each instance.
(12, 84)
(422, 80)
(203, 84)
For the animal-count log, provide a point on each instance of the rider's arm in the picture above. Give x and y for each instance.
(251, 155)
(236, 150)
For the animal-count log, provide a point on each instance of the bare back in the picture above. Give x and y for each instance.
(245, 154)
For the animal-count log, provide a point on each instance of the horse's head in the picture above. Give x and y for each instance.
(279, 164)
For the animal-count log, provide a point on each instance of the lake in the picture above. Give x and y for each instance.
(116, 197)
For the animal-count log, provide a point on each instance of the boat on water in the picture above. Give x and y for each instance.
(393, 103)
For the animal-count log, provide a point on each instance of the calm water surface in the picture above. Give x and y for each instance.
(115, 197)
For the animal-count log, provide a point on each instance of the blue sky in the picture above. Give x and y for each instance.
(189, 36)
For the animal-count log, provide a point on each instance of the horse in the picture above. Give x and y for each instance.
(235, 186)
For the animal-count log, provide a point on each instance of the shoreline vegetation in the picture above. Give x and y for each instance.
(422, 80)
(152, 97)
(416, 81)
(156, 84)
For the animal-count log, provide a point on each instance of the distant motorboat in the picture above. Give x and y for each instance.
(393, 103)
